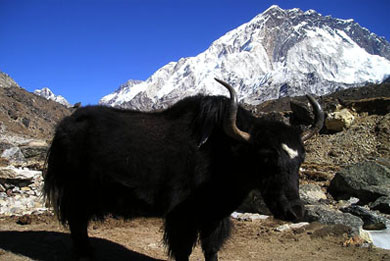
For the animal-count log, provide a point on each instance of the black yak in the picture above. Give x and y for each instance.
(192, 164)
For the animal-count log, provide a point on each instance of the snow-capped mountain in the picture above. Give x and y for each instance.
(122, 90)
(49, 95)
(277, 53)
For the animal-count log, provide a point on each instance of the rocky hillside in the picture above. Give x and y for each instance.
(28, 115)
(365, 138)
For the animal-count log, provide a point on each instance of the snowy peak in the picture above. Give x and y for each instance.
(49, 95)
(277, 53)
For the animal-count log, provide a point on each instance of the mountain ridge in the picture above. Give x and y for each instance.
(49, 95)
(278, 53)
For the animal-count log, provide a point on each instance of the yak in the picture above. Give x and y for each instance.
(192, 164)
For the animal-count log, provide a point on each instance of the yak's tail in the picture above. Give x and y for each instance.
(58, 189)
(54, 174)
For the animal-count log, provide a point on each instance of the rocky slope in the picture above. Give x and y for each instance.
(6, 81)
(278, 53)
(29, 115)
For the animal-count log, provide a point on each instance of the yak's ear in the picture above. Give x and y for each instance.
(205, 131)
(210, 116)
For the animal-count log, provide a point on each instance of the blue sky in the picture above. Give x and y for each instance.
(84, 49)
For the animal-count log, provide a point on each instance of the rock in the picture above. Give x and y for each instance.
(16, 176)
(248, 216)
(286, 227)
(382, 204)
(4, 162)
(366, 181)
(370, 219)
(13, 154)
(326, 215)
(311, 193)
(339, 120)
(347, 203)
(13, 114)
(34, 152)
(26, 122)
(24, 220)
(4, 146)
(21, 204)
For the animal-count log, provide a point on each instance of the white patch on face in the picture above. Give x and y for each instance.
(291, 152)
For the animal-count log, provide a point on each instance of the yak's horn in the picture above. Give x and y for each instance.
(229, 123)
(318, 119)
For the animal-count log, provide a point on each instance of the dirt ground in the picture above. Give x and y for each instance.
(141, 239)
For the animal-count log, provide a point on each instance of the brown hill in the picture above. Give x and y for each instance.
(26, 114)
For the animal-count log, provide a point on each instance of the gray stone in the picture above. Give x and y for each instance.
(17, 176)
(311, 193)
(13, 154)
(34, 151)
(382, 204)
(366, 181)
(326, 215)
(370, 219)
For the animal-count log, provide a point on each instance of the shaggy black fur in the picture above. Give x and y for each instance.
(177, 164)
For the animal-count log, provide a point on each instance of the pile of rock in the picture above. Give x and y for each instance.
(21, 181)
(20, 191)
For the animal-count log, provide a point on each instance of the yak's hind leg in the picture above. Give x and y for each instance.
(79, 234)
(180, 234)
(213, 236)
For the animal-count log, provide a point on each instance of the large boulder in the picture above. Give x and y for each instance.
(339, 120)
(326, 215)
(371, 220)
(366, 181)
(382, 204)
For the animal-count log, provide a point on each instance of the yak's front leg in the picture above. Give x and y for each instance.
(213, 236)
(180, 234)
